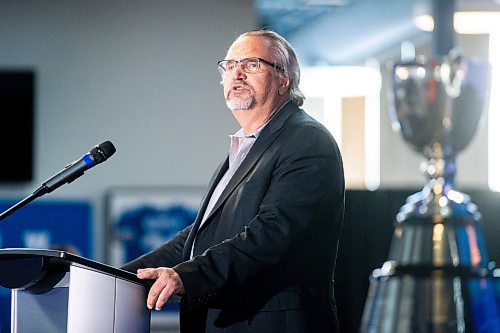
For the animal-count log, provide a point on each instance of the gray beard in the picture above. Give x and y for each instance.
(245, 105)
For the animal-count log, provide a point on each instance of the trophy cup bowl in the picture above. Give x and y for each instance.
(439, 102)
(438, 106)
(438, 277)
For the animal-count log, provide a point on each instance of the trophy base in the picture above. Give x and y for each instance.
(432, 300)
(439, 241)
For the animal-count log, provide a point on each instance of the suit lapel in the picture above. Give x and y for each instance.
(219, 173)
(266, 137)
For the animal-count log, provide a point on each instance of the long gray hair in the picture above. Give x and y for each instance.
(285, 57)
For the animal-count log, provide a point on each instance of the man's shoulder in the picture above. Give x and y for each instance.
(294, 126)
(302, 122)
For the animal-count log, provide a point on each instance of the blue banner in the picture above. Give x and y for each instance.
(61, 225)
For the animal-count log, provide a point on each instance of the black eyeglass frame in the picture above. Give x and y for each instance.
(272, 64)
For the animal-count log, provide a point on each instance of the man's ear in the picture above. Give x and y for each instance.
(284, 84)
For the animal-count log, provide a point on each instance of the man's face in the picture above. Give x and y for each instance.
(245, 91)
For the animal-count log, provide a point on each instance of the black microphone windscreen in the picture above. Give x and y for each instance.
(102, 152)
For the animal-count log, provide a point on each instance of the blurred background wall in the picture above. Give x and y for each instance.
(143, 75)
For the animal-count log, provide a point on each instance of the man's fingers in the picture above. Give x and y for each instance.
(159, 294)
(163, 298)
(167, 283)
(148, 273)
(153, 294)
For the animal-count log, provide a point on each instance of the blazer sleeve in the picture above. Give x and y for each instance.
(167, 255)
(306, 180)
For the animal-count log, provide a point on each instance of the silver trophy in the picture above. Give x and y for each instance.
(437, 277)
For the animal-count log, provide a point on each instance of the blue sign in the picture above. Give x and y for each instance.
(61, 225)
(142, 219)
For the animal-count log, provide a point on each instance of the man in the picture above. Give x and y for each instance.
(261, 253)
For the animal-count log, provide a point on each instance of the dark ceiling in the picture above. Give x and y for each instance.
(333, 32)
(286, 16)
(343, 32)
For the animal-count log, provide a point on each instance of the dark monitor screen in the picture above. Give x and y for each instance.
(17, 91)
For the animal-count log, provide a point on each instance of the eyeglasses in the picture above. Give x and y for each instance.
(248, 65)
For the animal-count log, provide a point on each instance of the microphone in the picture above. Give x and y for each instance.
(72, 171)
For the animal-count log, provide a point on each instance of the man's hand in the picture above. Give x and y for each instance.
(167, 284)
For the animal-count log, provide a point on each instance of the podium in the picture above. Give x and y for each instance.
(55, 291)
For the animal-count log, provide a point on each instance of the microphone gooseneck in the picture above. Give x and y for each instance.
(72, 171)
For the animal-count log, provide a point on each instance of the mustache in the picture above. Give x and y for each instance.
(238, 83)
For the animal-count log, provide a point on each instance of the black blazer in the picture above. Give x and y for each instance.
(265, 257)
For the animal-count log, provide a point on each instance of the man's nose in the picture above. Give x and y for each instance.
(238, 73)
